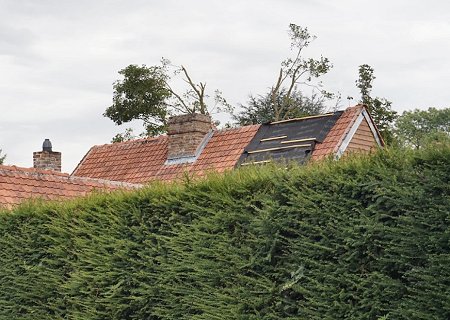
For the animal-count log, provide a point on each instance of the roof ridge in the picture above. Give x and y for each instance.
(129, 141)
(32, 170)
(162, 136)
(62, 176)
(236, 128)
(356, 106)
(141, 139)
(305, 118)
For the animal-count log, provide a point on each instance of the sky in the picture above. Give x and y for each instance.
(59, 59)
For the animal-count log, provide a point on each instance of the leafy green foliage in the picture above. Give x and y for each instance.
(141, 95)
(145, 94)
(285, 100)
(379, 108)
(420, 127)
(259, 109)
(364, 238)
(125, 136)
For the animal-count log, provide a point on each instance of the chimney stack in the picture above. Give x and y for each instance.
(187, 135)
(47, 159)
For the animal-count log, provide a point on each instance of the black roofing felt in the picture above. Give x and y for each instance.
(279, 141)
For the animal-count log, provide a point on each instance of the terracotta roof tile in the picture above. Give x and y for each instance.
(337, 134)
(18, 184)
(143, 160)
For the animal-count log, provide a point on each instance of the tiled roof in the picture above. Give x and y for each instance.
(337, 134)
(143, 160)
(18, 184)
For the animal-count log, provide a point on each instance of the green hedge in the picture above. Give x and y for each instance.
(365, 238)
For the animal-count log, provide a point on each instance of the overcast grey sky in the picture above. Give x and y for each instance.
(58, 59)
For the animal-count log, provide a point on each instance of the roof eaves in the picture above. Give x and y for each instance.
(105, 182)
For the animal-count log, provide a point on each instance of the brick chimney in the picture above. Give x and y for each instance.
(187, 135)
(47, 159)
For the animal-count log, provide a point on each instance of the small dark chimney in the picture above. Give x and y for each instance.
(47, 159)
(187, 134)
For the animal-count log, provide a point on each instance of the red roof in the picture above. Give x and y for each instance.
(19, 184)
(337, 134)
(143, 160)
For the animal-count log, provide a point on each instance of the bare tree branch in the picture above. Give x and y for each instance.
(274, 94)
(200, 91)
(179, 98)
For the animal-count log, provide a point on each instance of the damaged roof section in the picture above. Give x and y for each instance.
(292, 140)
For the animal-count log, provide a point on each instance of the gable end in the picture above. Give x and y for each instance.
(363, 136)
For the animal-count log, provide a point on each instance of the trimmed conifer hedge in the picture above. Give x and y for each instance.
(365, 238)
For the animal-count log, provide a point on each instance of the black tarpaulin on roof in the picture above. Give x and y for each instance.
(291, 140)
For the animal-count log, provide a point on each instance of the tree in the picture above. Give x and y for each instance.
(2, 157)
(420, 127)
(285, 99)
(145, 94)
(127, 135)
(140, 95)
(379, 108)
(260, 109)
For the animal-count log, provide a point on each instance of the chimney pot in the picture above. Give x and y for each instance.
(47, 145)
(47, 159)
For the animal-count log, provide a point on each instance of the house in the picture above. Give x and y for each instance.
(192, 146)
(45, 181)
